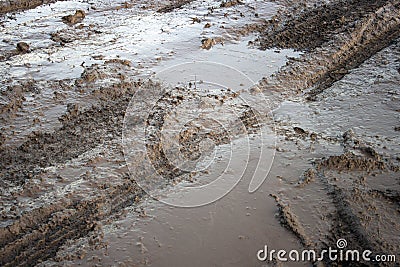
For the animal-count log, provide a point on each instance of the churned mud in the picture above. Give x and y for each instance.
(328, 73)
(353, 188)
(15, 5)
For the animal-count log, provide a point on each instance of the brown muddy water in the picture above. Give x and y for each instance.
(158, 134)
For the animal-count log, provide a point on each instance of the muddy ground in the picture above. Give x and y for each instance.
(67, 194)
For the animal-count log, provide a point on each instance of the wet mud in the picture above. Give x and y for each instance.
(301, 28)
(356, 201)
(174, 5)
(67, 195)
(329, 60)
(16, 5)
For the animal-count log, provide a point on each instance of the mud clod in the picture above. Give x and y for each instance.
(196, 20)
(308, 177)
(208, 43)
(74, 19)
(231, 3)
(22, 47)
(299, 131)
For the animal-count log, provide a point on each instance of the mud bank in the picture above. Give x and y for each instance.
(353, 208)
(15, 5)
(330, 58)
(301, 28)
(352, 175)
(82, 130)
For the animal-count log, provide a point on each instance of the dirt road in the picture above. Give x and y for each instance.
(328, 71)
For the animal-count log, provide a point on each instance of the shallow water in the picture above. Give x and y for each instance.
(136, 34)
(231, 227)
(231, 230)
(151, 41)
(154, 43)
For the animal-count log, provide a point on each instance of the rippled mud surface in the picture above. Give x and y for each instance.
(348, 137)
(81, 78)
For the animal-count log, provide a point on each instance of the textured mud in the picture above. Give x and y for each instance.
(300, 27)
(62, 166)
(354, 187)
(82, 129)
(348, 46)
(15, 5)
(65, 183)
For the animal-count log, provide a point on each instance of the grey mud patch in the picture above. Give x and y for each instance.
(16, 5)
(354, 191)
(65, 184)
(333, 55)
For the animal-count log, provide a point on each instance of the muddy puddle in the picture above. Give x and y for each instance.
(348, 138)
(229, 232)
(158, 134)
(136, 33)
(65, 67)
(139, 39)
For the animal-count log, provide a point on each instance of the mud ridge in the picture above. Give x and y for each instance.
(351, 162)
(190, 138)
(330, 61)
(73, 221)
(290, 221)
(348, 225)
(15, 5)
(82, 130)
(311, 27)
(176, 4)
